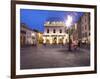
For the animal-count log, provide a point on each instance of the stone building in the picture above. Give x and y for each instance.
(84, 28)
(54, 32)
(27, 35)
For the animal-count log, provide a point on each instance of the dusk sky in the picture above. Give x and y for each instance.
(35, 19)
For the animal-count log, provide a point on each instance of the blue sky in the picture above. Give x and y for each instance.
(35, 19)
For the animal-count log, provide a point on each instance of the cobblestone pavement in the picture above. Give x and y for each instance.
(53, 57)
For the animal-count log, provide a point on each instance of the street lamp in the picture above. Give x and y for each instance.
(68, 25)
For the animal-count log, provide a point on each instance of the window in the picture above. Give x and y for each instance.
(85, 27)
(82, 34)
(23, 32)
(86, 19)
(60, 30)
(47, 30)
(54, 31)
(89, 34)
(85, 34)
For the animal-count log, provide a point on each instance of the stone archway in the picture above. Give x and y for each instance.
(55, 40)
(60, 41)
(47, 41)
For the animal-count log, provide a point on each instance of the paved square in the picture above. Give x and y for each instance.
(52, 57)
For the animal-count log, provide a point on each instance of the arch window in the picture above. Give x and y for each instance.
(54, 31)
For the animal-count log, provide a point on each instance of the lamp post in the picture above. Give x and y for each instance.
(68, 25)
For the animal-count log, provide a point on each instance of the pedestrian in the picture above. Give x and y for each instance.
(74, 45)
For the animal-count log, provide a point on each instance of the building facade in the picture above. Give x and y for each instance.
(85, 28)
(54, 33)
(27, 36)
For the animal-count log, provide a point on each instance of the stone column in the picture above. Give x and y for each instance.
(57, 39)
